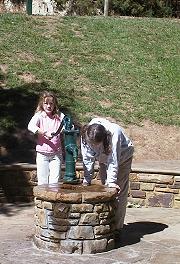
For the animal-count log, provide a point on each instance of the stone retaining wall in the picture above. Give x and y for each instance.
(146, 188)
(154, 190)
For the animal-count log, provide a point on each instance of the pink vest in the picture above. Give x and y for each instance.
(48, 124)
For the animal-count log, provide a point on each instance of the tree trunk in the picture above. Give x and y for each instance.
(106, 7)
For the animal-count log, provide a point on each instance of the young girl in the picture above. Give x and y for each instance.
(106, 142)
(47, 120)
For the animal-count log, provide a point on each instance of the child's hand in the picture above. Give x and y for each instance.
(114, 185)
(48, 135)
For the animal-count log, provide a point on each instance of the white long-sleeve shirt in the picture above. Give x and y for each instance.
(122, 149)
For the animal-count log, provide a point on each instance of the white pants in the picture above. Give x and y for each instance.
(48, 168)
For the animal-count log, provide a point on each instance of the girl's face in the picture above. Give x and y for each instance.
(48, 105)
(94, 144)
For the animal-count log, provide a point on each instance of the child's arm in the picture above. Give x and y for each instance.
(88, 163)
(33, 126)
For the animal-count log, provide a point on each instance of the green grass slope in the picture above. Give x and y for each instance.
(124, 68)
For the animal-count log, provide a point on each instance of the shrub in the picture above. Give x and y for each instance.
(150, 8)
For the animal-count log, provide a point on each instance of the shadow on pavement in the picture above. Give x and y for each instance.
(133, 232)
(12, 209)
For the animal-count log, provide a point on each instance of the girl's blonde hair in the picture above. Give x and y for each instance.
(97, 133)
(42, 98)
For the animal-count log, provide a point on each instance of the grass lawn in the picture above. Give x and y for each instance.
(124, 68)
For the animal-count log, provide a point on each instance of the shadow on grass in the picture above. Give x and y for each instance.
(17, 144)
(17, 106)
(133, 232)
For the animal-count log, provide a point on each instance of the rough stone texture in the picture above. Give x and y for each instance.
(155, 178)
(74, 227)
(157, 190)
(18, 180)
(138, 194)
(95, 246)
(160, 200)
(177, 178)
(69, 246)
(134, 185)
(147, 186)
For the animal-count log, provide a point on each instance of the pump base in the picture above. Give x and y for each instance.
(70, 181)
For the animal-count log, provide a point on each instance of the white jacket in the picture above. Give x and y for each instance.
(122, 150)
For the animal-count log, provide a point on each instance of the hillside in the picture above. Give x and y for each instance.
(125, 69)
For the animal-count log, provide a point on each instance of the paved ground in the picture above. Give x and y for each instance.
(151, 236)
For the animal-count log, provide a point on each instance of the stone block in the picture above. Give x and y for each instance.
(98, 208)
(134, 202)
(73, 221)
(134, 177)
(156, 178)
(44, 244)
(89, 219)
(177, 197)
(69, 197)
(61, 210)
(95, 246)
(159, 185)
(41, 215)
(60, 228)
(74, 215)
(80, 208)
(147, 186)
(160, 200)
(47, 205)
(138, 194)
(101, 229)
(53, 234)
(177, 178)
(134, 185)
(177, 204)
(98, 197)
(57, 221)
(166, 190)
(68, 247)
(81, 232)
(104, 215)
(175, 186)
(38, 203)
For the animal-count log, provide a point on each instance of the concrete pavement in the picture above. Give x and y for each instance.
(150, 236)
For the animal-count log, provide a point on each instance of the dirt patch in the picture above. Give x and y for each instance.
(154, 141)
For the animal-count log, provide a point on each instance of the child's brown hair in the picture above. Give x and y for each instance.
(97, 133)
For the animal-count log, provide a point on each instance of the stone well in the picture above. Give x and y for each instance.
(74, 218)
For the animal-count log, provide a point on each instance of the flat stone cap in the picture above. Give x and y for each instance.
(69, 193)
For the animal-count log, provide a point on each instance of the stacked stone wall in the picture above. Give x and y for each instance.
(154, 190)
(74, 228)
(146, 188)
